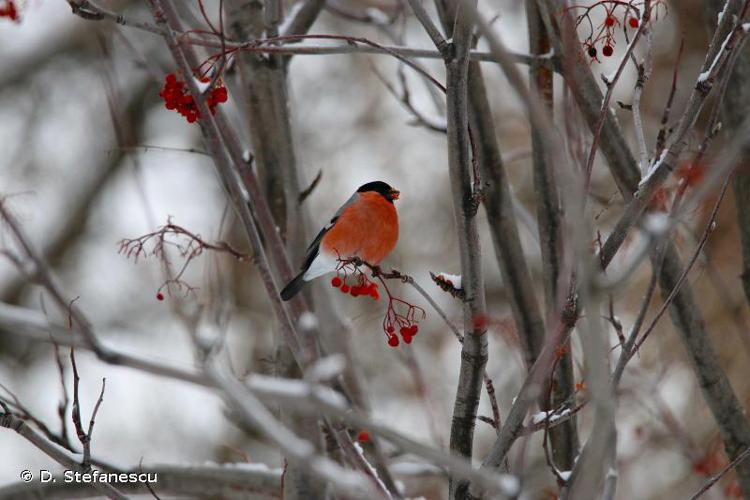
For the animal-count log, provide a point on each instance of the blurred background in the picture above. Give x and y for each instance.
(91, 156)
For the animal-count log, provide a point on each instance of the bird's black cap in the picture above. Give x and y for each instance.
(381, 188)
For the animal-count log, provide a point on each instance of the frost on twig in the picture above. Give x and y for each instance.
(549, 416)
(450, 283)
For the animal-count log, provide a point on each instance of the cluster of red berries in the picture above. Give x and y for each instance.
(399, 314)
(406, 322)
(10, 11)
(364, 287)
(407, 333)
(607, 50)
(177, 97)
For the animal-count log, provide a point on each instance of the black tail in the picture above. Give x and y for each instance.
(293, 287)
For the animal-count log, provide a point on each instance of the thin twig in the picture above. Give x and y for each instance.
(661, 137)
(713, 480)
(673, 293)
(644, 73)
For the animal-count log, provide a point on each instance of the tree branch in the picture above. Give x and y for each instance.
(548, 210)
(474, 347)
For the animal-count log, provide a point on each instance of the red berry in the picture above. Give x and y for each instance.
(220, 94)
(607, 50)
(374, 294)
(393, 341)
(355, 291)
(171, 79)
(413, 330)
(363, 436)
(345, 288)
(592, 51)
(660, 199)
(633, 22)
(699, 468)
(336, 282)
(407, 338)
(481, 322)
(610, 21)
(159, 296)
(690, 173)
(9, 11)
(733, 490)
(404, 330)
(390, 329)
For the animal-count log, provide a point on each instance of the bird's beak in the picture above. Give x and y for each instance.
(395, 193)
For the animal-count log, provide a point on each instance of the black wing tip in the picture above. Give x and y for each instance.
(293, 287)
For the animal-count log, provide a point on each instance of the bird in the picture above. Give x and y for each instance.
(365, 227)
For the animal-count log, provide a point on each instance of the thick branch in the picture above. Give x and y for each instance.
(549, 215)
(735, 105)
(263, 86)
(474, 347)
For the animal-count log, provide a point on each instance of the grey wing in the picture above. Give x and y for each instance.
(314, 248)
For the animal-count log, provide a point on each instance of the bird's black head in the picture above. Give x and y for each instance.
(381, 188)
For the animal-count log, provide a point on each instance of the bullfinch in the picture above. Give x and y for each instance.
(366, 226)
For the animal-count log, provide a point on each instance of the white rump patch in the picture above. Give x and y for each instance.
(323, 264)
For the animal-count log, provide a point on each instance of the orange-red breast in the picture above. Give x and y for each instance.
(366, 226)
